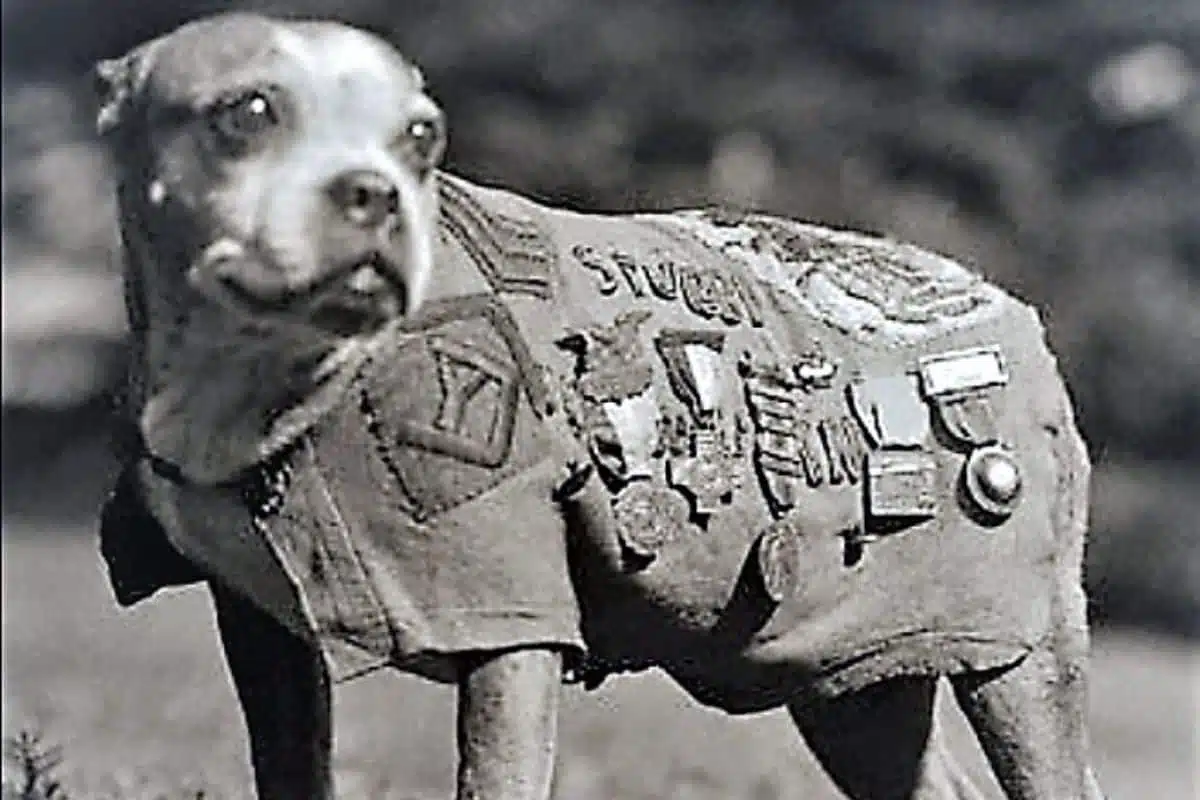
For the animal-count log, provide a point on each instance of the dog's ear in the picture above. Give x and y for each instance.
(418, 77)
(117, 81)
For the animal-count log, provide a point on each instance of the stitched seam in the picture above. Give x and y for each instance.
(377, 613)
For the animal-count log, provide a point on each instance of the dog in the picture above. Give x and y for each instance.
(396, 418)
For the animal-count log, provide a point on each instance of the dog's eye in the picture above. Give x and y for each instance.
(425, 138)
(241, 120)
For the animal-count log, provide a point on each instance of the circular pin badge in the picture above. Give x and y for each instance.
(993, 480)
(648, 517)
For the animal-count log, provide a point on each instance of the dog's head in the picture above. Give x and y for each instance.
(279, 169)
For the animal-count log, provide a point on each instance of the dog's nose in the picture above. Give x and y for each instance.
(366, 198)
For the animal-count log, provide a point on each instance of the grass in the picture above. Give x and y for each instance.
(136, 704)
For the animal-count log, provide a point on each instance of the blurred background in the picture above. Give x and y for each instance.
(1052, 144)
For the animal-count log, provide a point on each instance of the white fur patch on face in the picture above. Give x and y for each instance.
(353, 53)
(337, 51)
(349, 97)
(350, 80)
(296, 47)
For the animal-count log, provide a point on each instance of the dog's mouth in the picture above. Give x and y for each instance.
(356, 297)
(369, 294)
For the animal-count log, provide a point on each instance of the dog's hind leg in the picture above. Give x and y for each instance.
(508, 724)
(1029, 721)
(1031, 718)
(883, 743)
(284, 690)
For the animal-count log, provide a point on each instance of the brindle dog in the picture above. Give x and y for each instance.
(279, 205)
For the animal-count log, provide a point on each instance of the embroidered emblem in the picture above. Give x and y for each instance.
(452, 402)
(905, 283)
(470, 413)
(789, 242)
(706, 292)
(661, 274)
(513, 253)
(467, 375)
(629, 269)
(591, 258)
(901, 475)
(869, 288)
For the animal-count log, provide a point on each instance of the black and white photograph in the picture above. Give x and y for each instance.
(628, 400)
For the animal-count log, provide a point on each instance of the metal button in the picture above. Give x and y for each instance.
(993, 480)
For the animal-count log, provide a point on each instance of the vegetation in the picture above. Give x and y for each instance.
(30, 769)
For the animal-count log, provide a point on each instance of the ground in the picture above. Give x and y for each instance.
(140, 703)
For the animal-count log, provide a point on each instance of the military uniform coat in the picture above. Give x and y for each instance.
(769, 457)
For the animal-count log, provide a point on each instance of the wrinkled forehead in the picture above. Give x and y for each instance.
(327, 69)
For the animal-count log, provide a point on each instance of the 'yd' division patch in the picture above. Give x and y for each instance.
(454, 404)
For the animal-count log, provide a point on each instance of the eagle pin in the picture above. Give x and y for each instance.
(993, 480)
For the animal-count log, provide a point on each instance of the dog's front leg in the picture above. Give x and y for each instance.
(283, 686)
(508, 725)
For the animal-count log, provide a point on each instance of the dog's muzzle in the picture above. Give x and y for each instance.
(355, 296)
(377, 261)
(366, 199)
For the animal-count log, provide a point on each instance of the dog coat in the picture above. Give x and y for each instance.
(758, 453)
